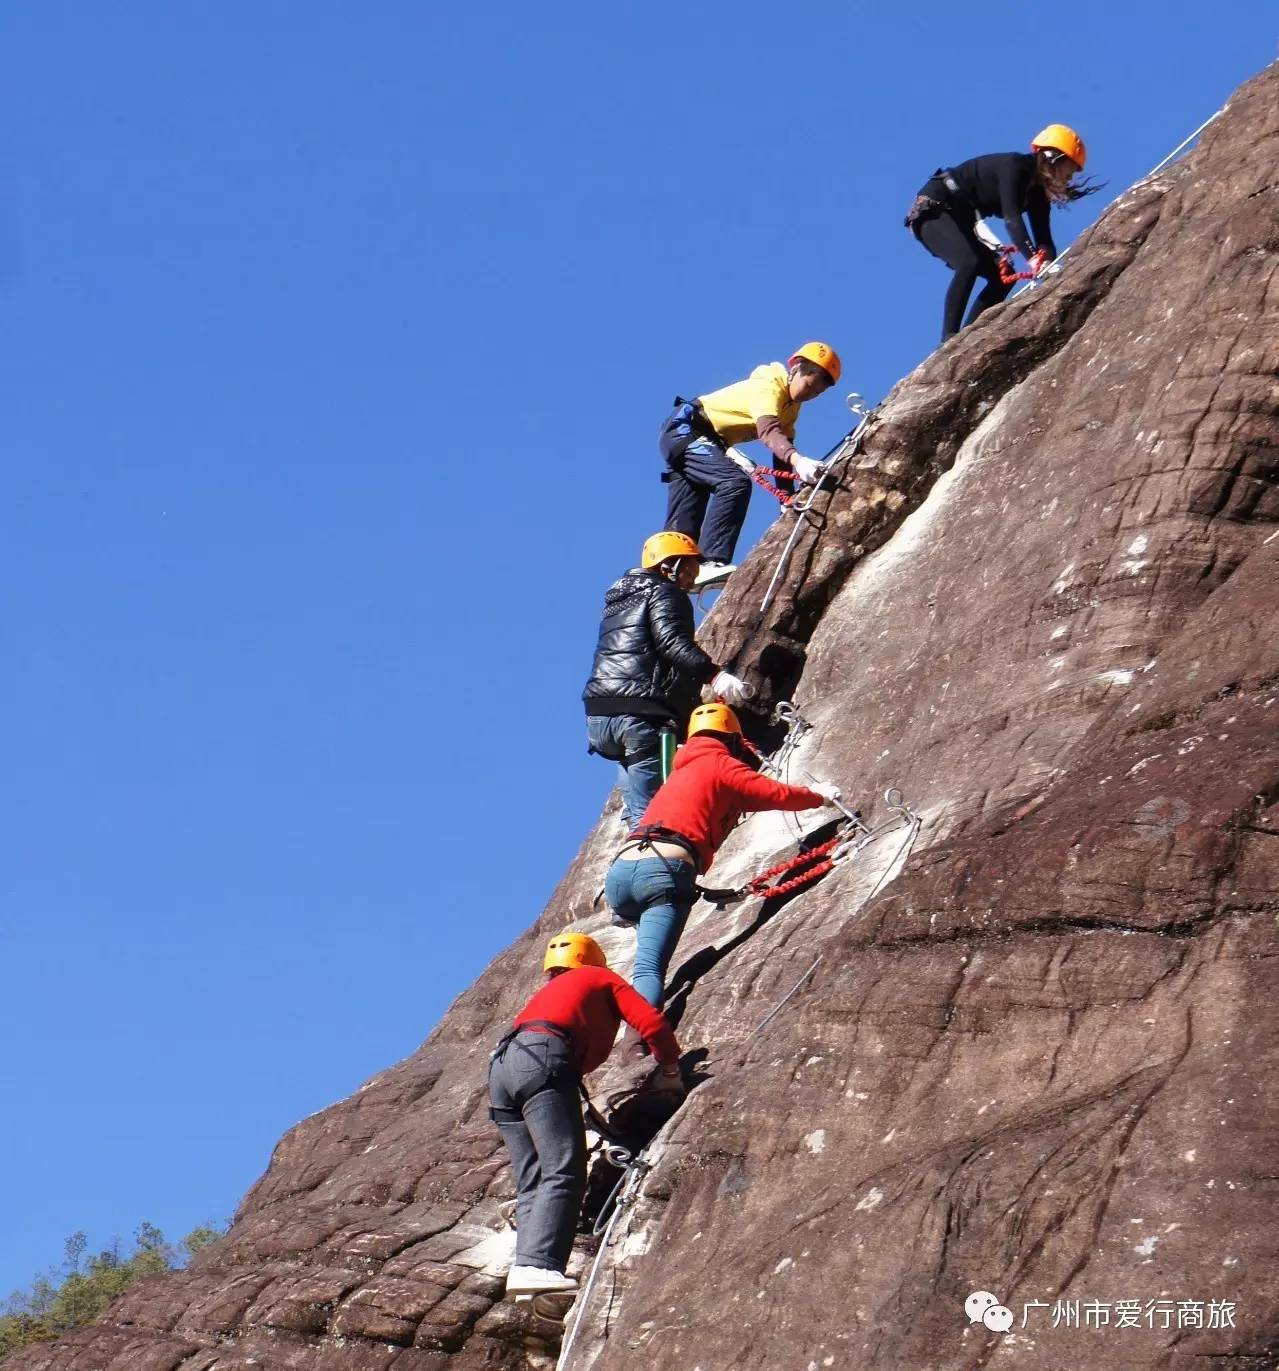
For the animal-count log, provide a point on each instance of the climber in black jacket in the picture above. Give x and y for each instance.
(947, 214)
(648, 668)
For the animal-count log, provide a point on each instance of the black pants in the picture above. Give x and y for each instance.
(960, 248)
(705, 476)
(700, 474)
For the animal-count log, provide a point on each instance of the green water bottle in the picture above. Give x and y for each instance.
(668, 750)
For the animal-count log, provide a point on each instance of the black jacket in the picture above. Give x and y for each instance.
(1003, 184)
(646, 661)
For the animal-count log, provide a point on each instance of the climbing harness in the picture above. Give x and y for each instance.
(850, 444)
(822, 863)
(799, 502)
(811, 863)
(760, 474)
(543, 1029)
(1007, 273)
(835, 458)
(854, 836)
(902, 813)
(647, 834)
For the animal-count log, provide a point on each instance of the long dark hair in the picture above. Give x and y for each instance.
(1074, 189)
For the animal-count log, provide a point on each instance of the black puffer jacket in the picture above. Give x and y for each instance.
(646, 661)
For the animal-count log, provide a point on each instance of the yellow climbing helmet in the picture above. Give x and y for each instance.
(663, 545)
(573, 949)
(1061, 138)
(713, 718)
(820, 354)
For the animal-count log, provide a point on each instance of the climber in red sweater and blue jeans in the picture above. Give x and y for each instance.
(652, 882)
(562, 1034)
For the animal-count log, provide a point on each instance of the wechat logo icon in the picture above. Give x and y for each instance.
(983, 1307)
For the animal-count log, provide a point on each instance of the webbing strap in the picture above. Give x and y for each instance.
(648, 834)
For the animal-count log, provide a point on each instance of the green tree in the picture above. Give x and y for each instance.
(56, 1302)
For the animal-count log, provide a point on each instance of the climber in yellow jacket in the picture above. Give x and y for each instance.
(694, 438)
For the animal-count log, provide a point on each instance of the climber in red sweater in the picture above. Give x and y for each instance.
(562, 1034)
(652, 882)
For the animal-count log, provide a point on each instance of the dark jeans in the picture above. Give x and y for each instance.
(636, 746)
(704, 476)
(533, 1088)
(656, 893)
(960, 248)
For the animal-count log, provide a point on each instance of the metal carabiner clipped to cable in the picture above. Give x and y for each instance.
(784, 712)
(899, 806)
(850, 847)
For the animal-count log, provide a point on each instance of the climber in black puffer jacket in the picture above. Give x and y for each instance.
(648, 668)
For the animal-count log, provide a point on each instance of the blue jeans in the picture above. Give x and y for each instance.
(704, 476)
(636, 746)
(657, 893)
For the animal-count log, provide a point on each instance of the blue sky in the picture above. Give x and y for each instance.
(335, 343)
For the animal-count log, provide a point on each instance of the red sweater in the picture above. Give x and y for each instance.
(709, 790)
(590, 1002)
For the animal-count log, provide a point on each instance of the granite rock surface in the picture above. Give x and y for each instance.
(1026, 1046)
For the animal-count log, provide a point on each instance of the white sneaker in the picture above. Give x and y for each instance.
(537, 1280)
(712, 573)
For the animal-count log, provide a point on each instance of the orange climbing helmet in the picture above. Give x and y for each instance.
(821, 355)
(1061, 138)
(713, 718)
(569, 950)
(663, 545)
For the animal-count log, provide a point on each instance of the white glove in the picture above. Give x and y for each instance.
(731, 689)
(808, 471)
(828, 790)
(987, 235)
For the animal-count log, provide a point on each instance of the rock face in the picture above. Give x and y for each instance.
(1029, 1049)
